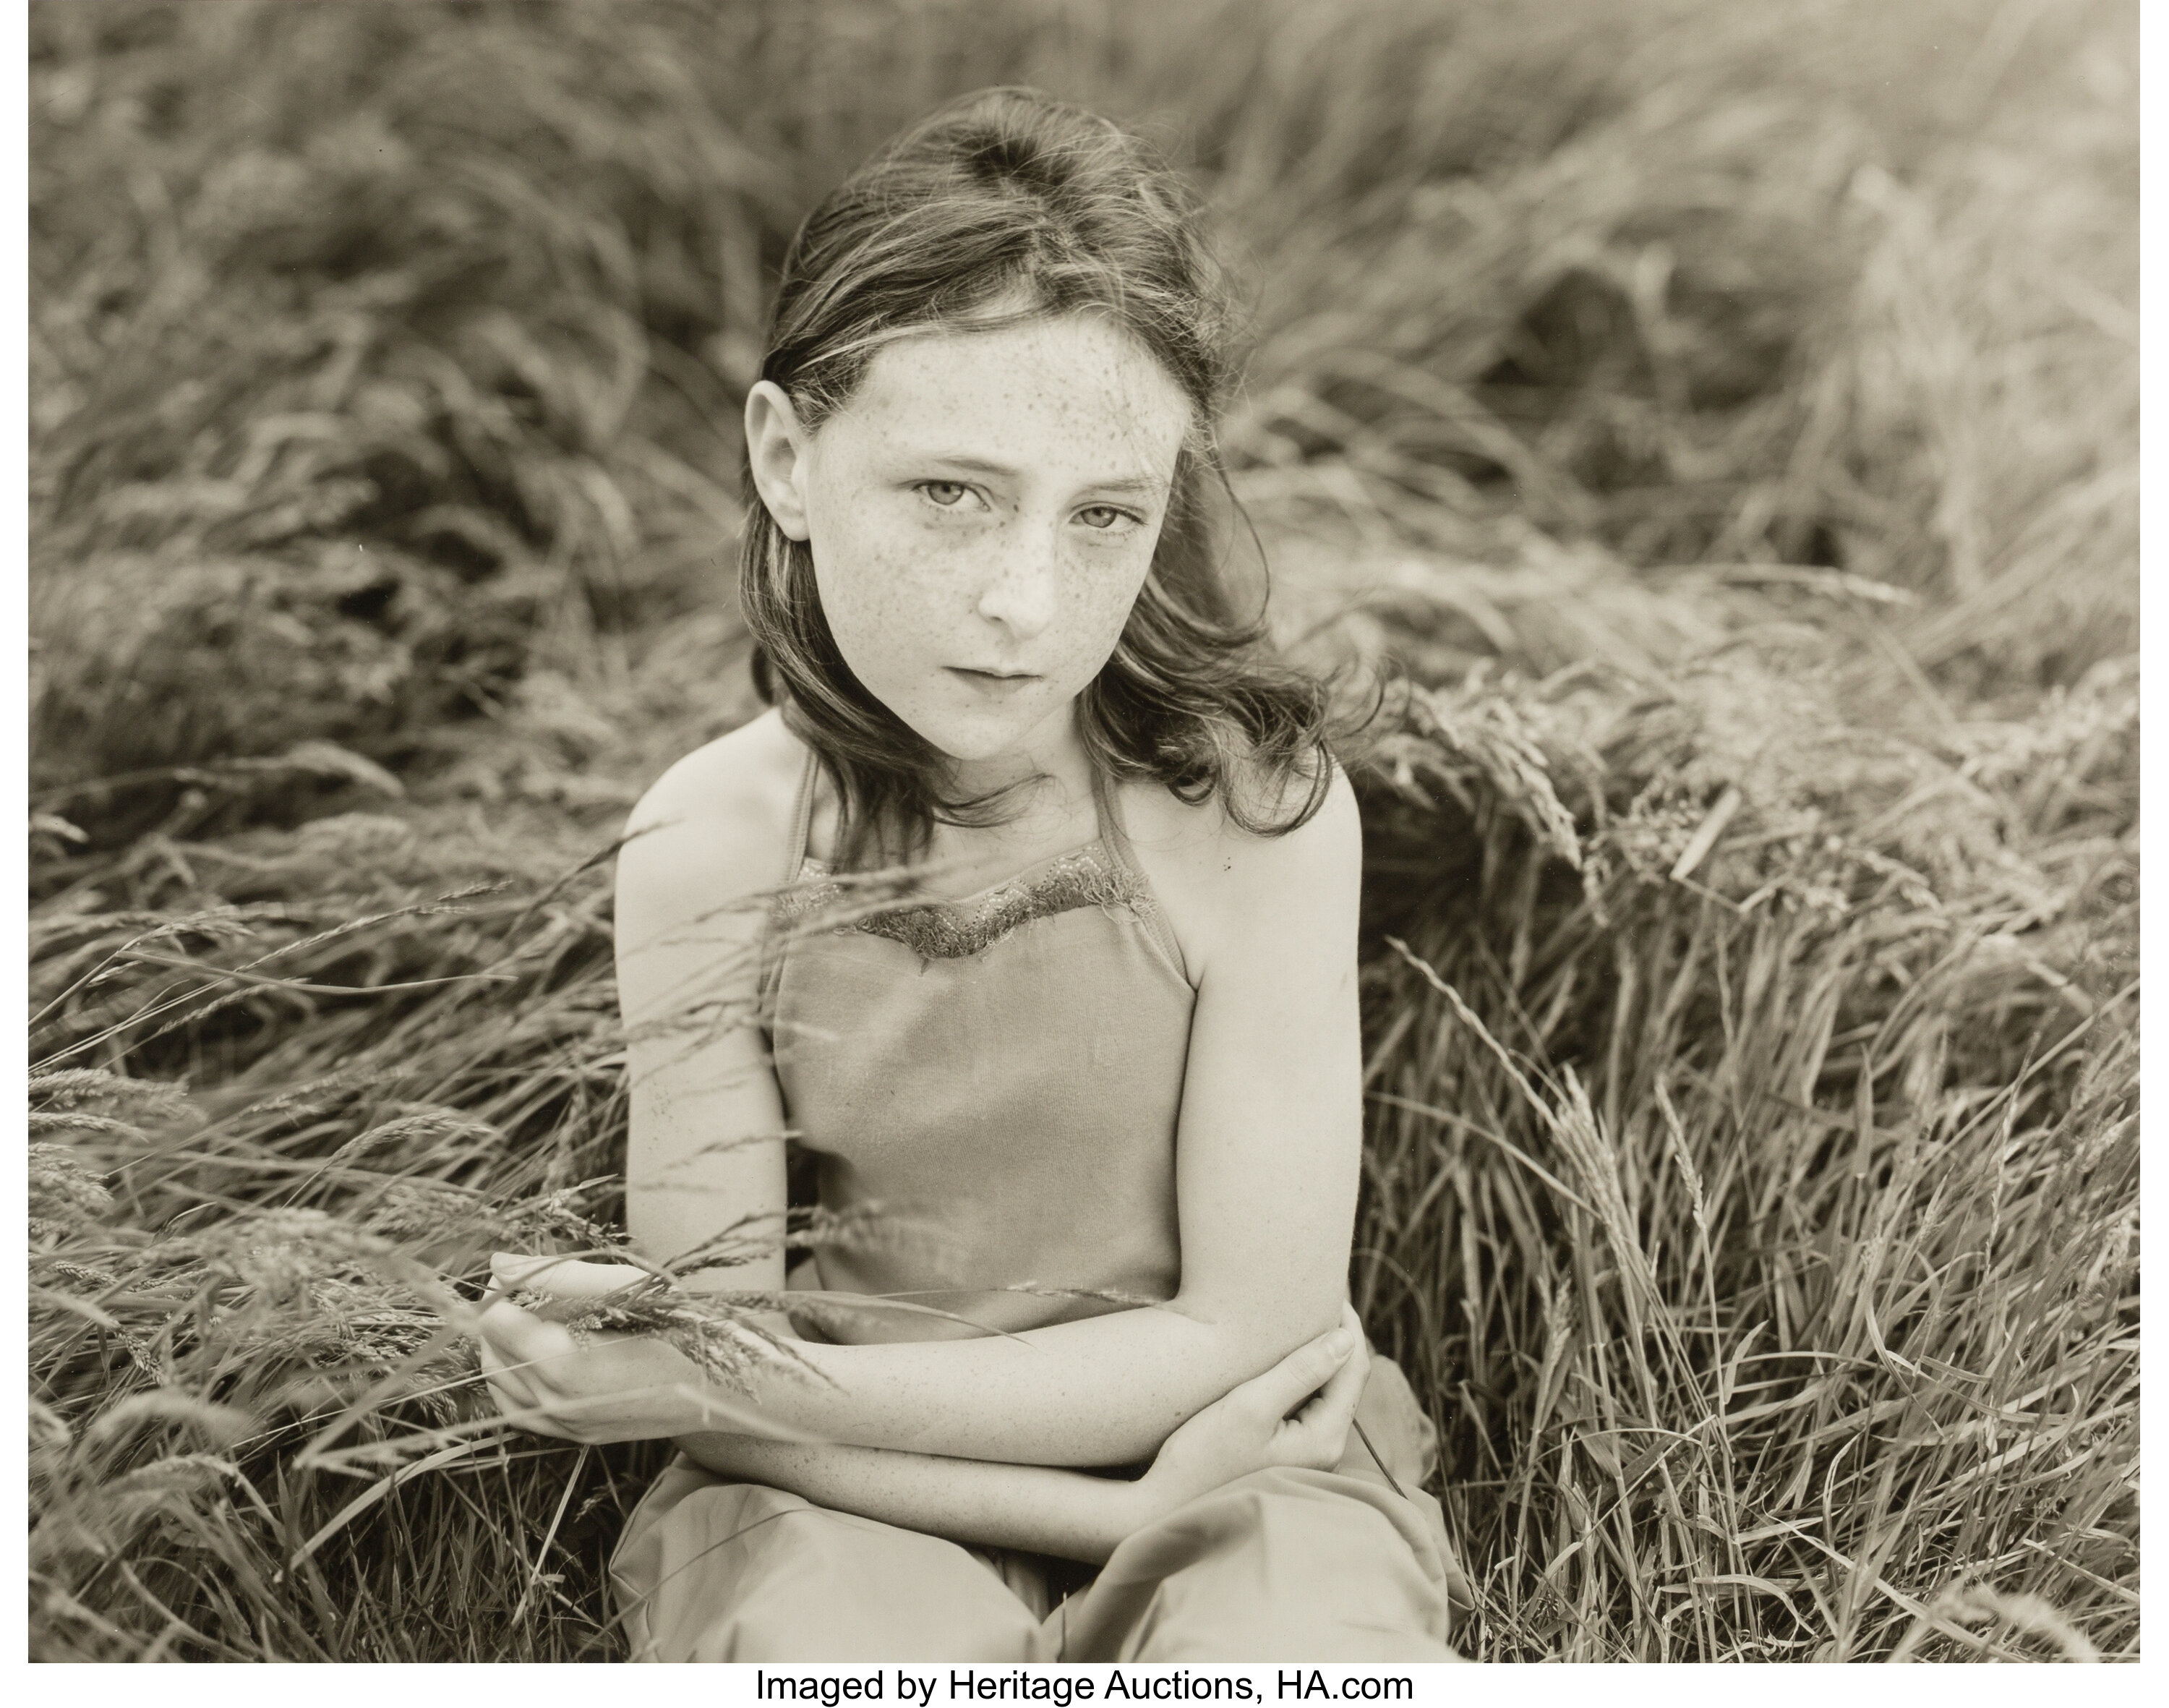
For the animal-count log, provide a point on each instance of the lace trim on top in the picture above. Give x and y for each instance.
(949, 931)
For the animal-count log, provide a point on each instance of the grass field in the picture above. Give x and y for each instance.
(1724, 416)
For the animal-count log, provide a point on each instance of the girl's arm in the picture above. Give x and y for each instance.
(1046, 1511)
(1067, 1512)
(1265, 1172)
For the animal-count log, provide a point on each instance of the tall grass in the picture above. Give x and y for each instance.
(1760, 1197)
(1725, 417)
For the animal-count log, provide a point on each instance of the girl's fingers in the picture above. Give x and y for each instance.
(1317, 1434)
(531, 1406)
(563, 1278)
(1342, 1393)
(506, 1386)
(521, 1337)
(1303, 1372)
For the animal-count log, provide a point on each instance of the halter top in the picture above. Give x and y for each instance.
(989, 1088)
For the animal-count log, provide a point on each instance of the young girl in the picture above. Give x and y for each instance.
(1098, 1090)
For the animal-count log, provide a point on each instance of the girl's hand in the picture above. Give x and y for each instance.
(604, 1386)
(1250, 1427)
(608, 1387)
(612, 1387)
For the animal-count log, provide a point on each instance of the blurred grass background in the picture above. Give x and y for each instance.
(1725, 414)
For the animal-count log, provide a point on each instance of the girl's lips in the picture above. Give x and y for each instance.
(990, 682)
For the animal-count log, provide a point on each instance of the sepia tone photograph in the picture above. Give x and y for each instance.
(1052, 831)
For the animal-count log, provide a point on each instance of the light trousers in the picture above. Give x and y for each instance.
(1281, 1565)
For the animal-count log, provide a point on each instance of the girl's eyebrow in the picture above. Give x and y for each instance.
(980, 465)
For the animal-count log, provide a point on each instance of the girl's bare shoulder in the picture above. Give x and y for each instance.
(713, 828)
(1216, 880)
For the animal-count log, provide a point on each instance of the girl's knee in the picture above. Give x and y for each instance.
(739, 1571)
(1279, 1565)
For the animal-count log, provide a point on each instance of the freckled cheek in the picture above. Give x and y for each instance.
(886, 604)
(1095, 607)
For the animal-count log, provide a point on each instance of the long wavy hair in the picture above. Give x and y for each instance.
(1003, 205)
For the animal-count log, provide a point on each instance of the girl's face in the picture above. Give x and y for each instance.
(982, 516)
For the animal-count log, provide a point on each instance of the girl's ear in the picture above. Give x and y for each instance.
(775, 451)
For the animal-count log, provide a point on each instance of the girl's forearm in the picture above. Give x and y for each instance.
(1107, 1391)
(1063, 1512)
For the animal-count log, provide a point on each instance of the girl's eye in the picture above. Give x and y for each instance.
(1104, 517)
(947, 493)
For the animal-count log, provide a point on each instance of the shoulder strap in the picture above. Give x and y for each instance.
(802, 818)
(1145, 904)
(1108, 818)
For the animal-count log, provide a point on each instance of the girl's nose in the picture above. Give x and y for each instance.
(1019, 593)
